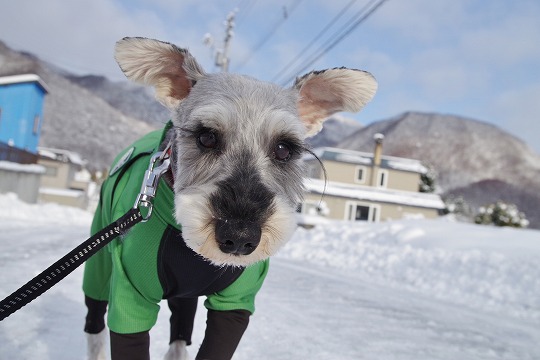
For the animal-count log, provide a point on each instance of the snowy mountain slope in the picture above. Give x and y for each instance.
(74, 118)
(131, 99)
(420, 290)
(335, 129)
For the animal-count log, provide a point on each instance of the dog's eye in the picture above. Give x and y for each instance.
(282, 152)
(207, 140)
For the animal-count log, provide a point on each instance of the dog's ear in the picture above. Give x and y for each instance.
(172, 71)
(326, 92)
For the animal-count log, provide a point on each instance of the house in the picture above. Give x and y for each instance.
(362, 186)
(21, 117)
(65, 181)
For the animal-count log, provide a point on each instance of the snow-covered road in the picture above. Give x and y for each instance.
(304, 311)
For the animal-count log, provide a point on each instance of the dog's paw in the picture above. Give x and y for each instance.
(96, 346)
(177, 351)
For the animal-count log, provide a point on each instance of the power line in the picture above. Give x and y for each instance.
(267, 37)
(244, 8)
(337, 38)
(319, 35)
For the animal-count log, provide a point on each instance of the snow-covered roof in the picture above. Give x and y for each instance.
(61, 192)
(26, 168)
(363, 158)
(368, 193)
(61, 155)
(23, 78)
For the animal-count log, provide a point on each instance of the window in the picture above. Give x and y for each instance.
(360, 176)
(359, 213)
(362, 211)
(37, 119)
(382, 178)
(51, 171)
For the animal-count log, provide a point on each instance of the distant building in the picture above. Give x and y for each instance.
(366, 186)
(21, 117)
(65, 181)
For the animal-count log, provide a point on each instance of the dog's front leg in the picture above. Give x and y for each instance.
(130, 346)
(224, 329)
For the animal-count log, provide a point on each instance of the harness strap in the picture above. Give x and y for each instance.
(63, 267)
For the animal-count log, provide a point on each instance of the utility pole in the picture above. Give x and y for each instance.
(222, 56)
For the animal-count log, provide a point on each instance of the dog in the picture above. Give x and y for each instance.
(225, 206)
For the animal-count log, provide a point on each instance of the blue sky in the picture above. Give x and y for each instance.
(475, 58)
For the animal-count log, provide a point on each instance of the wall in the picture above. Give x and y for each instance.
(337, 207)
(347, 173)
(20, 104)
(22, 180)
(57, 175)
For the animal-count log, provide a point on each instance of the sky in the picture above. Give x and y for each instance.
(474, 58)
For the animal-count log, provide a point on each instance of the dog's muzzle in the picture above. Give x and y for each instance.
(237, 237)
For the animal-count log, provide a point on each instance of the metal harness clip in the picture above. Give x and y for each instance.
(151, 181)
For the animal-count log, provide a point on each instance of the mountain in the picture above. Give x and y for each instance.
(75, 118)
(334, 131)
(131, 99)
(467, 154)
(480, 193)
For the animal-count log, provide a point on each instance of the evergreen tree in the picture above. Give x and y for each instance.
(428, 181)
(457, 206)
(501, 214)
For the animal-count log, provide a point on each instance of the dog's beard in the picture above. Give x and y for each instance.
(193, 212)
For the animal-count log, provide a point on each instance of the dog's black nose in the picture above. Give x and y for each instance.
(237, 237)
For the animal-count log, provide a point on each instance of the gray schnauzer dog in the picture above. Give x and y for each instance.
(226, 205)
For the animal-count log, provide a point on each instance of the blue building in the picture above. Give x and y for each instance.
(21, 116)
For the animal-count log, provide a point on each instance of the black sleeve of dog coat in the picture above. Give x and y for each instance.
(95, 317)
(224, 329)
(130, 346)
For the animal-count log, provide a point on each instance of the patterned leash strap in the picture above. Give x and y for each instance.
(159, 164)
(63, 267)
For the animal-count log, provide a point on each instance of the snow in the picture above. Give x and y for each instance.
(26, 168)
(406, 165)
(358, 157)
(374, 194)
(61, 192)
(410, 289)
(23, 78)
(62, 155)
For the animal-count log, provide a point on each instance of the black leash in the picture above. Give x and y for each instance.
(63, 267)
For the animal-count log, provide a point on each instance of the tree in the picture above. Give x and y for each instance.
(501, 214)
(428, 181)
(457, 206)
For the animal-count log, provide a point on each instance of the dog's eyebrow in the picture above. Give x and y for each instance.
(197, 129)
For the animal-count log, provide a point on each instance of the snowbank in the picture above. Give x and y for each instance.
(482, 266)
(12, 209)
